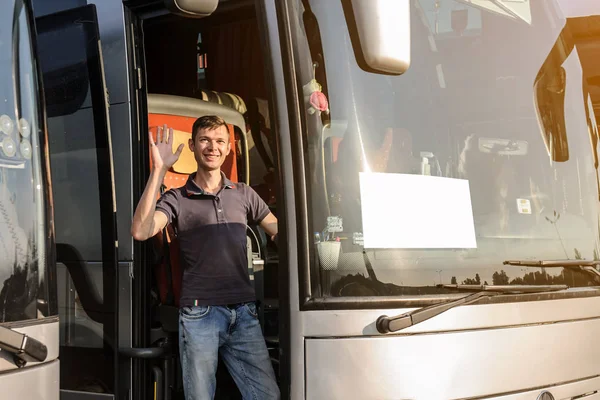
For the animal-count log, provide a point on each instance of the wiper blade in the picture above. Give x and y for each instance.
(387, 324)
(507, 289)
(583, 266)
(24, 348)
(553, 263)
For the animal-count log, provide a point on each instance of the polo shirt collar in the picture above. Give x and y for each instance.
(191, 188)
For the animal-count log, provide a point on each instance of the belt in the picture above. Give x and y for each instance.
(230, 305)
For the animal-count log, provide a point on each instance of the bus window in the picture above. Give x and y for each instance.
(464, 111)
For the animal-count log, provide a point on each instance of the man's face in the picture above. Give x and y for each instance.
(211, 147)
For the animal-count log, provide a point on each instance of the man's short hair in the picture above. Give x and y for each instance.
(210, 122)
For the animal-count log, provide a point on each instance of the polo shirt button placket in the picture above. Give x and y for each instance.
(219, 209)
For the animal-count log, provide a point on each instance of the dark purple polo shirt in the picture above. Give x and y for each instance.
(212, 236)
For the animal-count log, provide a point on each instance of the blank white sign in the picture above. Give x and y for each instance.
(416, 211)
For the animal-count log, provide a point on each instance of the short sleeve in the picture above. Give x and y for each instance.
(257, 208)
(169, 205)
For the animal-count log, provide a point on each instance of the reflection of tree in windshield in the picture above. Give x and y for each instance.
(18, 293)
(359, 285)
(18, 258)
(475, 281)
(13, 241)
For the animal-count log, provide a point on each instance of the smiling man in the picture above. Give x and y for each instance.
(217, 310)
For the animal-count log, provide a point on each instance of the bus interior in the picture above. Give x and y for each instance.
(213, 65)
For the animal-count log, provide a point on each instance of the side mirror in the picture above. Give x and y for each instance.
(380, 34)
(192, 8)
(549, 90)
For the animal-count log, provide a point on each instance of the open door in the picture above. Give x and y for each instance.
(83, 189)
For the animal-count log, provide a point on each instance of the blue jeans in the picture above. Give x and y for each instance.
(205, 332)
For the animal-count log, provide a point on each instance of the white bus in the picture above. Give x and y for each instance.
(433, 165)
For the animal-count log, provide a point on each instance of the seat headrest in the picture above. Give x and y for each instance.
(186, 163)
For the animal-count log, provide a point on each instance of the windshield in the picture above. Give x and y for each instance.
(23, 278)
(439, 175)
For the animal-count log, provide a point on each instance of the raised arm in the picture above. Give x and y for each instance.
(147, 222)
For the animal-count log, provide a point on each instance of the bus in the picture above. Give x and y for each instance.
(433, 165)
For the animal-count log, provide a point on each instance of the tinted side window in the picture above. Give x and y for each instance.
(65, 52)
(80, 159)
(44, 7)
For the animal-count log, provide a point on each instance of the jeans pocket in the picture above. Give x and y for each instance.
(251, 308)
(195, 312)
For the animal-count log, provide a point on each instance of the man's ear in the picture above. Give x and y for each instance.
(228, 148)
(191, 144)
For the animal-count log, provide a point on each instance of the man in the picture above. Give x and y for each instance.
(217, 310)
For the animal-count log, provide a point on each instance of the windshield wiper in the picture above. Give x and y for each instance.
(584, 266)
(507, 289)
(387, 324)
(24, 348)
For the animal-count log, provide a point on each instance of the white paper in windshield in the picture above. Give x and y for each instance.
(416, 211)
